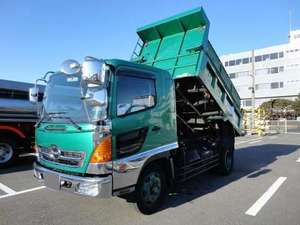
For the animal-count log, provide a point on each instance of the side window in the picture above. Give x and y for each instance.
(134, 94)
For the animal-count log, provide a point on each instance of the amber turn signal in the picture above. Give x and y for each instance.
(103, 151)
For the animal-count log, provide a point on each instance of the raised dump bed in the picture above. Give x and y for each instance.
(180, 45)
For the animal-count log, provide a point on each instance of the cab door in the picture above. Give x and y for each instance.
(134, 126)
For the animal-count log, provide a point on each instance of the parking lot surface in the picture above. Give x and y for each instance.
(263, 189)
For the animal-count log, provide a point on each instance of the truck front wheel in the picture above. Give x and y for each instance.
(151, 190)
(7, 152)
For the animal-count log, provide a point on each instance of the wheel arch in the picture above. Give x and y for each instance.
(163, 160)
(12, 133)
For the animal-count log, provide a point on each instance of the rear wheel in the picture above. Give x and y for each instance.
(151, 190)
(226, 150)
(7, 152)
(226, 160)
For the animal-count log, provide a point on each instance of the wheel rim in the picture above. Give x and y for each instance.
(151, 188)
(228, 160)
(6, 152)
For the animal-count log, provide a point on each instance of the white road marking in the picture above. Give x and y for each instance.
(273, 137)
(22, 192)
(249, 141)
(6, 189)
(298, 160)
(254, 209)
(253, 142)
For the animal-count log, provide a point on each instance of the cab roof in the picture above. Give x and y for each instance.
(123, 63)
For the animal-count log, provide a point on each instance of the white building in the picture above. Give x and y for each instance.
(277, 71)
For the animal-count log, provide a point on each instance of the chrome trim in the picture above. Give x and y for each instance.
(44, 175)
(126, 171)
(76, 157)
(99, 168)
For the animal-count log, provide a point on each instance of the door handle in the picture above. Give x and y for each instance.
(156, 128)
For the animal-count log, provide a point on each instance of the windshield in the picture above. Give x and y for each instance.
(63, 99)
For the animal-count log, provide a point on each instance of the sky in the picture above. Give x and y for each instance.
(37, 36)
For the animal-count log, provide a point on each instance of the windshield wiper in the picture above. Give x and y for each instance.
(66, 117)
(56, 113)
(50, 116)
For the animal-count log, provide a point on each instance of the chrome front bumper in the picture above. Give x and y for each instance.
(94, 187)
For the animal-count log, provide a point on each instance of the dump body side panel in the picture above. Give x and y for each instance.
(180, 45)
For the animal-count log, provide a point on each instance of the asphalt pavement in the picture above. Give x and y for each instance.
(263, 189)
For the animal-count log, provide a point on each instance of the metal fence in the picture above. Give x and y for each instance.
(283, 126)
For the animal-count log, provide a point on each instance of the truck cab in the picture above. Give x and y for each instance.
(134, 128)
(111, 129)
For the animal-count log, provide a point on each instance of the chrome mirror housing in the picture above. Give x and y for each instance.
(33, 94)
(97, 99)
(94, 70)
(70, 66)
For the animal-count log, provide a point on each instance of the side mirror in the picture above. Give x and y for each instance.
(97, 100)
(33, 94)
(94, 70)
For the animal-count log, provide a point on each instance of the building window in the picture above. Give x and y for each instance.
(245, 60)
(280, 54)
(274, 56)
(238, 61)
(247, 103)
(239, 74)
(231, 62)
(232, 75)
(274, 70)
(134, 94)
(281, 84)
(276, 85)
(262, 86)
(281, 69)
(258, 58)
(266, 57)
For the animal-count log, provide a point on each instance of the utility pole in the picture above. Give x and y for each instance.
(252, 122)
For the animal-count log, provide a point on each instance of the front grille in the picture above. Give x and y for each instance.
(59, 156)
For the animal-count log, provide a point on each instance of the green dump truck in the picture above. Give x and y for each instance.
(135, 128)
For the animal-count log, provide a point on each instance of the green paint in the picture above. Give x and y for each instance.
(180, 45)
(162, 115)
(71, 139)
(173, 48)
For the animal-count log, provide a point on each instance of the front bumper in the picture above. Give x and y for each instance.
(94, 187)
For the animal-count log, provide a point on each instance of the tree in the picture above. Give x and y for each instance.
(276, 104)
(296, 105)
(281, 108)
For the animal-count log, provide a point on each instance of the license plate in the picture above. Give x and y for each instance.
(52, 181)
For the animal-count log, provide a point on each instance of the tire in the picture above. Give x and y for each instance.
(151, 190)
(8, 154)
(226, 151)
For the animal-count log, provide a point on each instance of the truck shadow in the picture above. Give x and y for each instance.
(250, 162)
(22, 164)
